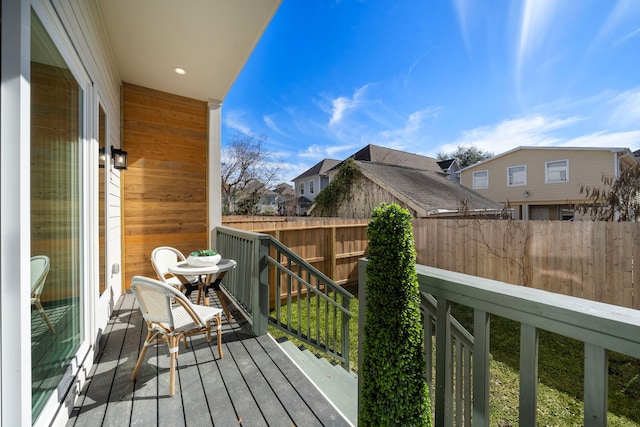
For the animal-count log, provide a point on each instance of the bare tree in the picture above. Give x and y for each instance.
(246, 169)
(466, 156)
(617, 200)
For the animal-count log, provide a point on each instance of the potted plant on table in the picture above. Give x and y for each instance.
(203, 258)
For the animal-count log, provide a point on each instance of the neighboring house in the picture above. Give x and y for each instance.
(285, 199)
(310, 182)
(266, 203)
(415, 182)
(543, 183)
(67, 68)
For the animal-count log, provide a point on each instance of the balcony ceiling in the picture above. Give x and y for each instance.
(210, 39)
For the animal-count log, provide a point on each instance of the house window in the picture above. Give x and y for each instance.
(517, 175)
(302, 188)
(311, 187)
(481, 179)
(556, 171)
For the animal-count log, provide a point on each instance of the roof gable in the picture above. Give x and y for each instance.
(376, 154)
(319, 168)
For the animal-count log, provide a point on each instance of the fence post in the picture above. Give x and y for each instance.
(260, 302)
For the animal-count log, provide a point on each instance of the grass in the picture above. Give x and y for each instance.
(312, 308)
(560, 378)
(560, 374)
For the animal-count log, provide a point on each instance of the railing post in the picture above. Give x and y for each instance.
(345, 334)
(444, 376)
(260, 302)
(595, 385)
(528, 374)
(481, 328)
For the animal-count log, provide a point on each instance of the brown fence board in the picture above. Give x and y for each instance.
(593, 260)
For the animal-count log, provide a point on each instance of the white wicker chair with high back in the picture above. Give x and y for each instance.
(164, 256)
(39, 270)
(170, 316)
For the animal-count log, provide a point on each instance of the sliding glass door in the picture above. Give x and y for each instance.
(57, 229)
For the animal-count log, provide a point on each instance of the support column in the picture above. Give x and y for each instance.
(214, 179)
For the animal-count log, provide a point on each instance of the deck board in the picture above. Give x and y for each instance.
(254, 384)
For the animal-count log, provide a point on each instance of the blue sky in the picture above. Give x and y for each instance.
(424, 76)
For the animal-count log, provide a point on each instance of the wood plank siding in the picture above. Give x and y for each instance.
(165, 187)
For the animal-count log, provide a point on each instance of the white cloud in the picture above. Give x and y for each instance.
(410, 136)
(626, 109)
(271, 124)
(528, 131)
(627, 37)
(234, 120)
(629, 140)
(317, 152)
(536, 19)
(542, 131)
(462, 13)
(342, 105)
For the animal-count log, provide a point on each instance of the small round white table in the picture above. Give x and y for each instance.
(214, 273)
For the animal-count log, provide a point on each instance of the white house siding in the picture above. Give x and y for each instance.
(77, 29)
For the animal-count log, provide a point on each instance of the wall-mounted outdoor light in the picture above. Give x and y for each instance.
(526, 193)
(102, 157)
(119, 158)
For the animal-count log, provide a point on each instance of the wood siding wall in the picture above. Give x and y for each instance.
(165, 187)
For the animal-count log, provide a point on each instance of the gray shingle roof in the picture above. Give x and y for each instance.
(319, 168)
(389, 156)
(431, 191)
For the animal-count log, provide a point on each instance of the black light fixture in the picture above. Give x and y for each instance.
(119, 158)
(102, 157)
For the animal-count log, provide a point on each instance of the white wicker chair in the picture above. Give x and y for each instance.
(39, 270)
(170, 316)
(162, 258)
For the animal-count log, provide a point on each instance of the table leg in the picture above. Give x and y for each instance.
(221, 296)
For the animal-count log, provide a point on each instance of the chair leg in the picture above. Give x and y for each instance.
(44, 316)
(219, 333)
(151, 336)
(174, 346)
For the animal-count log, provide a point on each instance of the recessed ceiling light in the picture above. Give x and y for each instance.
(180, 71)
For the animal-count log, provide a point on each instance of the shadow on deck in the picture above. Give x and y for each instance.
(255, 384)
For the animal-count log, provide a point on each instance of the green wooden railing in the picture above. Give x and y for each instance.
(306, 304)
(601, 327)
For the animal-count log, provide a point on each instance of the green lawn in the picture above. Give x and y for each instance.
(560, 389)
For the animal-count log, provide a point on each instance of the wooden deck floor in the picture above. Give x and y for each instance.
(255, 384)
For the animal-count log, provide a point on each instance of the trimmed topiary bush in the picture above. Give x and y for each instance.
(394, 387)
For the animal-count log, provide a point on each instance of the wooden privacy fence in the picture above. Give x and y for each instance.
(331, 245)
(592, 260)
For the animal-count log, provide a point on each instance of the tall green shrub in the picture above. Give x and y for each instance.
(394, 389)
